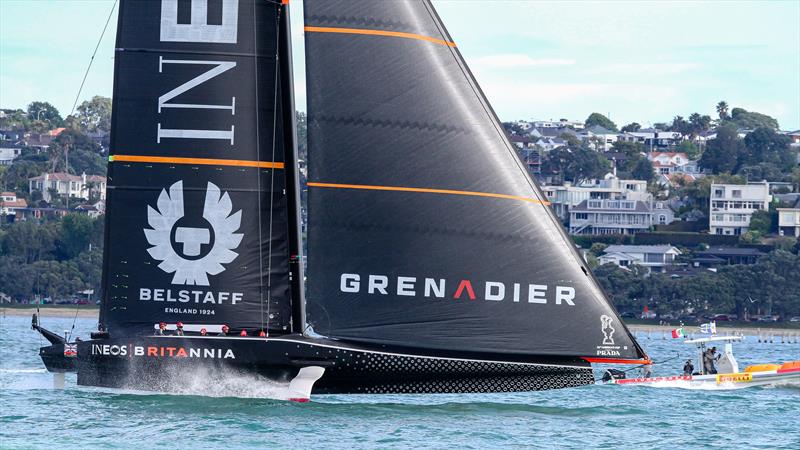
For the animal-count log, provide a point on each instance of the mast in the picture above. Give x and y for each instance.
(293, 192)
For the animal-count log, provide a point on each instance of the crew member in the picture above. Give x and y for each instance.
(708, 361)
(203, 331)
(688, 368)
(243, 333)
(262, 334)
(225, 330)
(179, 329)
(647, 371)
(162, 329)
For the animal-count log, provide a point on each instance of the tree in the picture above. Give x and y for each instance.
(688, 147)
(575, 164)
(601, 120)
(752, 120)
(643, 170)
(84, 153)
(46, 112)
(762, 171)
(680, 125)
(699, 123)
(723, 154)
(764, 145)
(94, 116)
(572, 140)
(631, 127)
(631, 149)
(722, 110)
(761, 222)
(74, 235)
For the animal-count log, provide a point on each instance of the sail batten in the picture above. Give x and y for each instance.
(425, 230)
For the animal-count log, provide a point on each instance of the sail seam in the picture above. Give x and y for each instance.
(426, 190)
(199, 161)
(364, 31)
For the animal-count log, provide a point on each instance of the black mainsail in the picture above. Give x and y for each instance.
(202, 211)
(425, 230)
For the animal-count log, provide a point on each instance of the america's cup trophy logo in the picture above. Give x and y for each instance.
(194, 265)
(607, 329)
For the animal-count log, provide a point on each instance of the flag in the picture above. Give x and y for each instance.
(708, 328)
(677, 333)
(71, 350)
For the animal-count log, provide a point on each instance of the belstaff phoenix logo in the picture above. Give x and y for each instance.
(607, 329)
(193, 266)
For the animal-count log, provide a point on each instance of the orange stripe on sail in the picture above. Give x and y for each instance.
(398, 34)
(426, 190)
(196, 161)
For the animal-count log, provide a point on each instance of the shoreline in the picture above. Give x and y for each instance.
(94, 311)
(50, 311)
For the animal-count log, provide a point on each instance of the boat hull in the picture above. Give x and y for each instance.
(719, 381)
(170, 363)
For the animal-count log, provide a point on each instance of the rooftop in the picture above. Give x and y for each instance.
(639, 249)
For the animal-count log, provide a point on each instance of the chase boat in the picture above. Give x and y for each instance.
(728, 376)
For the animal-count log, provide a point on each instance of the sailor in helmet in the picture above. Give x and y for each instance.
(162, 329)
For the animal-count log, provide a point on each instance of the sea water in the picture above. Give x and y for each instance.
(239, 415)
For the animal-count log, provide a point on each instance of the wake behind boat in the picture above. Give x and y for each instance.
(723, 373)
(434, 261)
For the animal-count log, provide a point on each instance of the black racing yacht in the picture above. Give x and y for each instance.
(434, 263)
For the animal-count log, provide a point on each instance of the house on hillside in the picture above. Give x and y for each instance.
(655, 257)
(667, 163)
(652, 138)
(716, 256)
(567, 196)
(599, 138)
(610, 217)
(732, 206)
(92, 210)
(10, 205)
(8, 155)
(789, 220)
(42, 141)
(68, 185)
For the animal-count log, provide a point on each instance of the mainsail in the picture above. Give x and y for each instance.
(201, 224)
(425, 230)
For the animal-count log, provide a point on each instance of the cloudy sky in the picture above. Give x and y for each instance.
(642, 61)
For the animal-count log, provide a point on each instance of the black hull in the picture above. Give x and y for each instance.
(164, 363)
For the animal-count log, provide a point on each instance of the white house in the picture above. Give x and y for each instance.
(567, 196)
(652, 256)
(732, 205)
(599, 138)
(610, 217)
(78, 186)
(651, 137)
(789, 221)
(10, 204)
(8, 155)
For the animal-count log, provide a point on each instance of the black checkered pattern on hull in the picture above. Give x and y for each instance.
(361, 372)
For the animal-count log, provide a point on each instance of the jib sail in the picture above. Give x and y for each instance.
(425, 230)
(199, 226)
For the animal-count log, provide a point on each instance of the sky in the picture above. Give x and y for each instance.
(642, 61)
